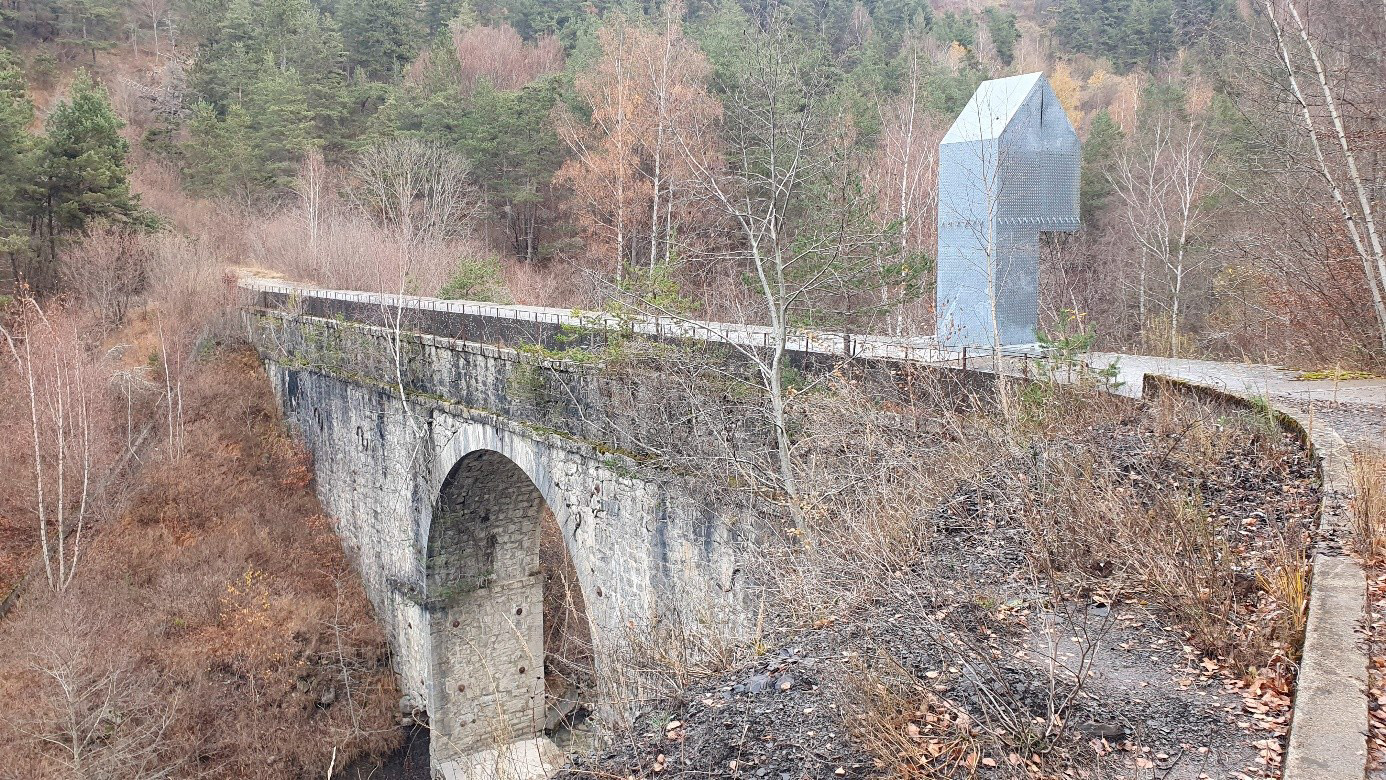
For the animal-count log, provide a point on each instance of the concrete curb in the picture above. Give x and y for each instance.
(1328, 731)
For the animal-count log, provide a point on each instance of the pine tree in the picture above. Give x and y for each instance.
(280, 124)
(82, 171)
(952, 27)
(1004, 33)
(220, 158)
(277, 23)
(228, 58)
(438, 14)
(16, 161)
(89, 24)
(1072, 29)
(253, 148)
(1099, 151)
(1160, 33)
(508, 139)
(380, 35)
(318, 53)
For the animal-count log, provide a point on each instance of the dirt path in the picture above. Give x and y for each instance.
(1356, 409)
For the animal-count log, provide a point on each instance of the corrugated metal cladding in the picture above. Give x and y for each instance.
(1008, 169)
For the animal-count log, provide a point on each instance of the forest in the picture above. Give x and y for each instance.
(618, 156)
(561, 153)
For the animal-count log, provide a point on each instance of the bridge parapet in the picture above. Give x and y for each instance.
(550, 328)
(619, 408)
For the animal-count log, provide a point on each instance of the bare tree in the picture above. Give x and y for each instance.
(106, 270)
(649, 98)
(184, 286)
(499, 55)
(419, 192)
(978, 212)
(62, 390)
(805, 235)
(1163, 183)
(311, 187)
(1353, 198)
(92, 715)
(157, 12)
(604, 169)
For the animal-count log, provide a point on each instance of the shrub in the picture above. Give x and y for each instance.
(477, 279)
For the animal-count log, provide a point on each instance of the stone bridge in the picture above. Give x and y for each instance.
(441, 431)
(452, 441)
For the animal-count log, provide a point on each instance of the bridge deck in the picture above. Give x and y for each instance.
(466, 319)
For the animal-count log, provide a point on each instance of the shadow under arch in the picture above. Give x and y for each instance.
(486, 585)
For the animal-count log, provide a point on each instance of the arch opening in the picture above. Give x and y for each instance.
(509, 634)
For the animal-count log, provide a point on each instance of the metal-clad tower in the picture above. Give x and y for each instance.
(1008, 169)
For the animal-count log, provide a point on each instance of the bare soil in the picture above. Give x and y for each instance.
(973, 661)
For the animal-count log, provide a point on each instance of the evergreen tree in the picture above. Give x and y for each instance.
(280, 124)
(82, 171)
(318, 54)
(16, 160)
(1004, 33)
(220, 157)
(229, 57)
(1160, 40)
(895, 20)
(89, 24)
(199, 19)
(277, 23)
(1099, 152)
(380, 35)
(1134, 32)
(952, 27)
(1072, 29)
(721, 35)
(438, 14)
(506, 136)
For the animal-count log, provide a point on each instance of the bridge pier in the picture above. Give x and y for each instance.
(529, 759)
(486, 608)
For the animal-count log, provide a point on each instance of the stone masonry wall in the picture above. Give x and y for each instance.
(646, 553)
(486, 604)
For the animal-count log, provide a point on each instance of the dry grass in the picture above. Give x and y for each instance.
(1145, 527)
(229, 616)
(1103, 499)
(1369, 505)
(913, 732)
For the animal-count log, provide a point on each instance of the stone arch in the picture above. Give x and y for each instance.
(486, 589)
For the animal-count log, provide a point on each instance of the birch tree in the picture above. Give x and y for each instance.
(311, 187)
(905, 174)
(1334, 147)
(60, 385)
(1164, 183)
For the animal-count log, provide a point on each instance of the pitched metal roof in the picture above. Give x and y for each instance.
(991, 108)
